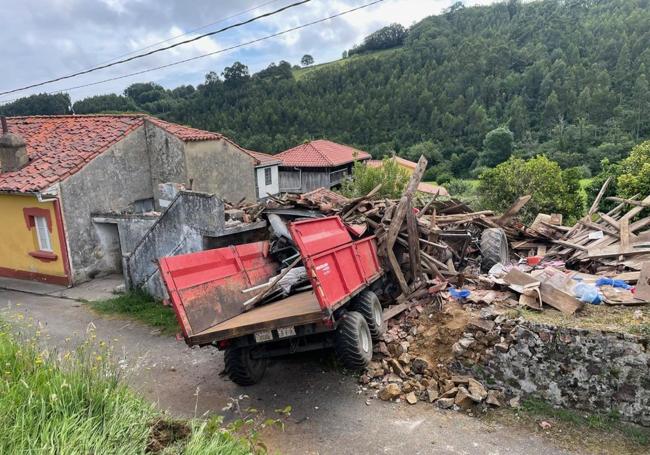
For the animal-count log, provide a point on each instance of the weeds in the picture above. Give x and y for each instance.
(141, 307)
(75, 402)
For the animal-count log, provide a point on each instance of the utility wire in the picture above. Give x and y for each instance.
(189, 32)
(342, 13)
(221, 30)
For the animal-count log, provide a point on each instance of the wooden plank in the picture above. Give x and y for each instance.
(596, 203)
(558, 299)
(609, 220)
(255, 300)
(414, 245)
(398, 218)
(629, 201)
(298, 309)
(513, 210)
(394, 310)
(643, 285)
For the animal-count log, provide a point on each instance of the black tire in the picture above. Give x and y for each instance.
(494, 248)
(367, 303)
(353, 342)
(241, 368)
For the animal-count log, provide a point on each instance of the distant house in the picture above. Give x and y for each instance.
(410, 167)
(57, 171)
(316, 164)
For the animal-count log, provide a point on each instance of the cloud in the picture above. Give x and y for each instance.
(50, 38)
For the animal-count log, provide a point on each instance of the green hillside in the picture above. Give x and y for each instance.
(568, 78)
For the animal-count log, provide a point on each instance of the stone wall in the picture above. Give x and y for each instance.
(109, 183)
(180, 229)
(574, 368)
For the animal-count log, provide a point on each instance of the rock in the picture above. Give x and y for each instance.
(432, 395)
(407, 387)
(411, 398)
(419, 365)
(460, 380)
(397, 368)
(515, 402)
(447, 384)
(502, 347)
(477, 390)
(450, 393)
(466, 342)
(481, 324)
(119, 289)
(493, 398)
(463, 398)
(383, 348)
(392, 377)
(389, 392)
(544, 425)
(364, 379)
(457, 349)
(445, 403)
(404, 359)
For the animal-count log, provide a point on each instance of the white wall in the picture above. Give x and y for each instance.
(263, 189)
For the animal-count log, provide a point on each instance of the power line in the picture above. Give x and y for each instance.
(189, 31)
(221, 30)
(342, 13)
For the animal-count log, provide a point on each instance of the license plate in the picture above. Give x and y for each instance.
(263, 336)
(284, 332)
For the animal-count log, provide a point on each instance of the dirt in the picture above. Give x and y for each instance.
(165, 433)
(437, 331)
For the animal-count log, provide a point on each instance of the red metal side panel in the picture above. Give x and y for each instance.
(367, 254)
(318, 235)
(205, 287)
(337, 267)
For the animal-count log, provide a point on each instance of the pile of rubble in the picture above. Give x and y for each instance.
(445, 258)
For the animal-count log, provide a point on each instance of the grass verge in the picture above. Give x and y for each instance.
(576, 431)
(75, 402)
(142, 307)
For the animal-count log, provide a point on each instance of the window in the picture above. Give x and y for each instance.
(268, 177)
(42, 233)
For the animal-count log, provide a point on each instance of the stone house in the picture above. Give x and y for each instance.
(57, 171)
(316, 164)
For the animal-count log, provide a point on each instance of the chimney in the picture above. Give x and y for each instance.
(13, 154)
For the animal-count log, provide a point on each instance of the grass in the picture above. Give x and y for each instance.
(302, 72)
(633, 319)
(142, 307)
(75, 402)
(576, 431)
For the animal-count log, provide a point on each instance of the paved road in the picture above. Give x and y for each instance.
(329, 414)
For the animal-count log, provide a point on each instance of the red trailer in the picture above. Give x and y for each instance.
(208, 291)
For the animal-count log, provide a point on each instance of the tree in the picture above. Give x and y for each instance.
(552, 189)
(236, 74)
(307, 60)
(393, 179)
(497, 147)
(634, 177)
(41, 104)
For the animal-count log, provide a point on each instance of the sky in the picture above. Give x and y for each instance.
(44, 39)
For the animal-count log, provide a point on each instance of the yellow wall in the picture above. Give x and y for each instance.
(16, 240)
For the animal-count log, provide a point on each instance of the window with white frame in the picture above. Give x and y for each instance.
(42, 233)
(268, 178)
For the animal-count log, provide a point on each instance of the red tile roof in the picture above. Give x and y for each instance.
(185, 133)
(263, 159)
(321, 153)
(59, 146)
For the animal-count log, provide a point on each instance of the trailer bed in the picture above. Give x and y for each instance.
(297, 309)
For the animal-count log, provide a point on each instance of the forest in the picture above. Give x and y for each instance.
(468, 88)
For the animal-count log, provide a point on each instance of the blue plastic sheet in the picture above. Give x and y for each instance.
(459, 294)
(612, 282)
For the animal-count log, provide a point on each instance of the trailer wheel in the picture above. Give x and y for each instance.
(494, 248)
(241, 368)
(353, 342)
(367, 303)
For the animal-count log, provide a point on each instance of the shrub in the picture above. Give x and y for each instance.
(553, 190)
(391, 175)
